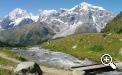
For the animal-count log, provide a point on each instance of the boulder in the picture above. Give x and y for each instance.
(28, 68)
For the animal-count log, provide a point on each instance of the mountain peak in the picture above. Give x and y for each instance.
(83, 4)
(17, 17)
(18, 9)
(86, 6)
(19, 13)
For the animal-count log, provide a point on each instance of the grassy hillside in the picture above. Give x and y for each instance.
(114, 26)
(88, 45)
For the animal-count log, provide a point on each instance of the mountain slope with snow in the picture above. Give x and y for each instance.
(16, 18)
(81, 18)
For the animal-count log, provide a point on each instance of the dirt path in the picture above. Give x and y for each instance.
(54, 71)
(10, 59)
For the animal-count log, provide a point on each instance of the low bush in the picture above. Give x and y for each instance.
(97, 47)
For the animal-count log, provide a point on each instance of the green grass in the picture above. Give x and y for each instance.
(5, 72)
(12, 55)
(10, 63)
(96, 47)
(7, 62)
(114, 26)
(89, 45)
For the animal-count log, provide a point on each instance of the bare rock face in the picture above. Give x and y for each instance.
(28, 68)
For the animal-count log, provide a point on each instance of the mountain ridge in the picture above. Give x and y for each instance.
(86, 16)
(79, 19)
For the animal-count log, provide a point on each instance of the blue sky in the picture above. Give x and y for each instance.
(114, 6)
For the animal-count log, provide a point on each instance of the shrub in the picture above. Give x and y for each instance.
(104, 35)
(6, 72)
(21, 58)
(97, 47)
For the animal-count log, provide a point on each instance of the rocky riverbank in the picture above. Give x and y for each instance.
(53, 59)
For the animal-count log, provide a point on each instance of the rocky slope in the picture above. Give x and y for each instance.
(27, 35)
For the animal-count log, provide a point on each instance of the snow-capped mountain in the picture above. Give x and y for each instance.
(17, 17)
(52, 23)
(81, 18)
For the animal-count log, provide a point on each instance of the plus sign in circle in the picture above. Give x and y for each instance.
(106, 59)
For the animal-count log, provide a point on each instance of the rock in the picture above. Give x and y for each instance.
(109, 34)
(78, 72)
(74, 47)
(120, 39)
(28, 68)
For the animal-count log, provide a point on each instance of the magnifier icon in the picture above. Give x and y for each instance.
(106, 60)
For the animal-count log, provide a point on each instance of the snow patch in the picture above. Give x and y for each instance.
(34, 18)
(17, 21)
(48, 12)
(91, 6)
(18, 13)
